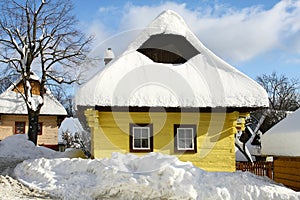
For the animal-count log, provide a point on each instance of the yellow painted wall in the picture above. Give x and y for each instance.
(49, 132)
(215, 135)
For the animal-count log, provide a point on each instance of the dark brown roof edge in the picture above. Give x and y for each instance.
(173, 109)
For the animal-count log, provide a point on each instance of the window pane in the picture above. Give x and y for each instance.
(145, 133)
(181, 143)
(137, 133)
(145, 143)
(189, 143)
(189, 133)
(180, 133)
(137, 143)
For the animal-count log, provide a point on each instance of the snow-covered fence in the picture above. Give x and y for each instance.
(259, 168)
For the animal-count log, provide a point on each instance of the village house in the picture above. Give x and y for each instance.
(14, 119)
(168, 93)
(282, 142)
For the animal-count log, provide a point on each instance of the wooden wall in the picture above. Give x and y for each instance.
(287, 171)
(49, 130)
(35, 86)
(215, 135)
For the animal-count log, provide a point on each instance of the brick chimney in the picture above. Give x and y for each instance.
(108, 56)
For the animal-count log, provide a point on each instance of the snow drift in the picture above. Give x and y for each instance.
(153, 176)
(19, 147)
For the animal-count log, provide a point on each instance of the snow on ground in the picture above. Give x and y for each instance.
(19, 147)
(14, 190)
(153, 176)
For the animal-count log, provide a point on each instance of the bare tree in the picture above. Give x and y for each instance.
(8, 76)
(40, 35)
(283, 96)
(65, 96)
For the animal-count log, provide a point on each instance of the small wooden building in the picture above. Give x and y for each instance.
(168, 93)
(282, 142)
(14, 119)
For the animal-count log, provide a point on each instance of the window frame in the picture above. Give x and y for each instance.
(16, 127)
(40, 128)
(194, 138)
(131, 137)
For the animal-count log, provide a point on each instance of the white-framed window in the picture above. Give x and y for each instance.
(185, 138)
(141, 139)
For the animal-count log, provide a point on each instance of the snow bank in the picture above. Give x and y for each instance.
(153, 176)
(283, 138)
(19, 147)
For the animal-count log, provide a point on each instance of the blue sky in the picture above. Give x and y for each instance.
(255, 36)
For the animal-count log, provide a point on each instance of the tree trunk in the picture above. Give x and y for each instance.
(33, 119)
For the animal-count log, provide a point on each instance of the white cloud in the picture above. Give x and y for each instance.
(107, 9)
(235, 35)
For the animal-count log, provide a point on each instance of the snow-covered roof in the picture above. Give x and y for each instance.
(204, 80)
(13, 103)
(283, 138)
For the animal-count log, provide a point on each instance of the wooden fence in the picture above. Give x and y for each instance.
(258, 168)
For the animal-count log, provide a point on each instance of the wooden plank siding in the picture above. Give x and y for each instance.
(35, 87)
(215, 135)
(49, 130)
(287, 171)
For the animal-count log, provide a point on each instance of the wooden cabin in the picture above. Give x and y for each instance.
(282, 142)
(168, 93)
(14, 119)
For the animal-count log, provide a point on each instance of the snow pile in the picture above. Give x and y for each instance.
(19, 147)
(283, 138)
(153, 176)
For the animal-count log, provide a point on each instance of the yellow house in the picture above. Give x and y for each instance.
(14, 119)
(168, 93)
